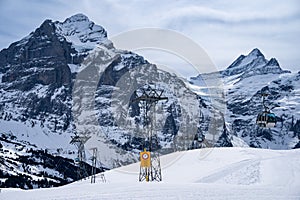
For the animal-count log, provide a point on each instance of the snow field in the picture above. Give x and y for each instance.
(219, 173)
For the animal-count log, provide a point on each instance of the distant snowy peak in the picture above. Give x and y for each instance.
(255, 53)
(84, 34)
(77, 18)
(242, 60)
(273, 62)
(254, 63)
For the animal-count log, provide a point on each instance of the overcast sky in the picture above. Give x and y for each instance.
(224, 29)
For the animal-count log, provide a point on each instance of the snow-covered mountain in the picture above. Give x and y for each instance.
(67, 78)
(254, 63)
(207, 174)
(244, 81)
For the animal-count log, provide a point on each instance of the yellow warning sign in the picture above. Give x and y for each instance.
(145, 159)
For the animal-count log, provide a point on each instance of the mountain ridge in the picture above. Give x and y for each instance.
(254, 61)
(244, 82)
(66, 78)
(47, 96)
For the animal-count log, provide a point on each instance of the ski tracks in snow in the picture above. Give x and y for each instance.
(244, 172)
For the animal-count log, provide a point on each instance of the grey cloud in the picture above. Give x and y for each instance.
(224, 28)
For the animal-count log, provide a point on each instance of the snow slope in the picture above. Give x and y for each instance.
(219, 173)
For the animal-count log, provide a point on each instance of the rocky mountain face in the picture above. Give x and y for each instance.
(66, 79)
(37, 75)
(244, 81)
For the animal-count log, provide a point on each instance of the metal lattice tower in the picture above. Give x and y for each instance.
(79, 141)
(149, 98)
(95, 159)
(94, 163)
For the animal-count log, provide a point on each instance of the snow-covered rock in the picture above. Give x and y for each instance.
(66, 78)
(244, 81)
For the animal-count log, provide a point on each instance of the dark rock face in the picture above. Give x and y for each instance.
(36, 94)
(131, 113)
(37, 67)
(38, 78)
(225, 138)
(41, 59)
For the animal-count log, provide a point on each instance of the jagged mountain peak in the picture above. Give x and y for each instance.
(79, 23)
(254, 63)
(46, 30)
(256, 53)
(254, 56)
(77, 18)
(273, 62)
(84, 34)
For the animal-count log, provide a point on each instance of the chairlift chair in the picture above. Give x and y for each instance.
(266, 120)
